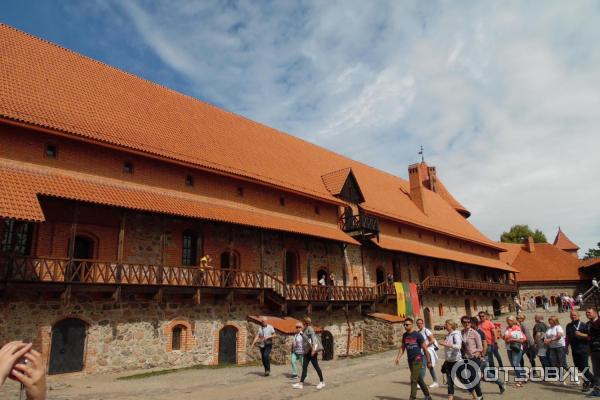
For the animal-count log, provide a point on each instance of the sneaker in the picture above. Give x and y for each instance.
(293, 376)
(267, 373)
(298, 385)
(434, 385)
(321, 385)
(427, 398)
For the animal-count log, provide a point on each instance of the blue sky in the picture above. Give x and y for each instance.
(504, 96)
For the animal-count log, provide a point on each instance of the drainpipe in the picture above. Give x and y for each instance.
(349, 333)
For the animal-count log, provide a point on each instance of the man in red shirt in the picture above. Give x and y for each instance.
(489, 330)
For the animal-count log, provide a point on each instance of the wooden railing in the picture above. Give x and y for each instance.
(61, 270)
(385, 289)
(329, 293)
(435, 282)
(359, 222)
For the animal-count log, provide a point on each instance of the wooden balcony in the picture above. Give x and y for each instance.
(111, 274)
(362, 225)
(432, 283)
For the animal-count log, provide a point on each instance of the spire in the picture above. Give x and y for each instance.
(564, 243)
(422, 155)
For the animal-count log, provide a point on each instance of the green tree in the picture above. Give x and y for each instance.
(520, 233)
(591, 253)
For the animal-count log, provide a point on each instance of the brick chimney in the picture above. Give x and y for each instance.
(529, 245)
(432, 178)
(416, 186)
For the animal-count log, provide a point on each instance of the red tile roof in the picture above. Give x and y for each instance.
(546, 264)
(442, 191)
(334, 181)
(394, 319)
(563, 242)
(21, 183)
(512, 251)
(428, 250)
(589, 262)
(285, 325)
(81, 97)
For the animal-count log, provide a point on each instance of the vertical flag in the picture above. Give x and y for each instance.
(400, 302)
(408, 299)
(415, 298)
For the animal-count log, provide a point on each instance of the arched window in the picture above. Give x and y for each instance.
(189, 253)
(177, 335)
(229, 259)
(379, 275)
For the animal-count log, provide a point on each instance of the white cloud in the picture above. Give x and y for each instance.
(503, 95)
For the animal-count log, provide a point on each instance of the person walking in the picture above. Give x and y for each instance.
(452, 351)
(415, 348)
(539, 334)
(514, 339)
(555, 340)
(594, 340)
(475, 324)
(489, 329)
(472, 350)
(529, 344)
(312, 347)
(432, 349)
(264, 338)
(576, 337)
(297, 350)
(545, 303)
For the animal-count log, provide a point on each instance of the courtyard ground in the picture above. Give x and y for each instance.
(369, 377)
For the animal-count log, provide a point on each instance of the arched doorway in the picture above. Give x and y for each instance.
(427, 317)
(83, 250)
(229, 262)
(322, 273)
(379, 275)
(468, 307)
(228, 345)
(67, 346)
(291, 267)
(496, 307)
(327, 341)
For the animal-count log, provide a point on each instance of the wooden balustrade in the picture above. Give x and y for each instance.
(60, 270)
(385, 289)
(436, 282)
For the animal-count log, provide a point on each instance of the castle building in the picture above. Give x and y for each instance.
(546, 269)
(114, 188)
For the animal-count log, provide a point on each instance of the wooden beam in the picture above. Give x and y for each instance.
(197, 299)
(121, 240)
(309, 309)
(261, 298)
(159, 295)
(116, 296)
(65, 296)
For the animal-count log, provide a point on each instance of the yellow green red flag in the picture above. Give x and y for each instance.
(400, 300)
(408, 299)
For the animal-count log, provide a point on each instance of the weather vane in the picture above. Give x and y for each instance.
(421, 154)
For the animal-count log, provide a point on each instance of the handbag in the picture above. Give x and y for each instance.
(306, 345)
(514, 346)
(445, 367)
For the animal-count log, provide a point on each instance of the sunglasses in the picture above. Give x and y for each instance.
(407, 324)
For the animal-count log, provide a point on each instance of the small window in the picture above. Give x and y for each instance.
(176, 337)
(240, 191)
(317, 211)
(420, 235)
(435, 238)
(128, 168)
(51, 151)
(189, 180)
(282, 201)
(400, 230)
